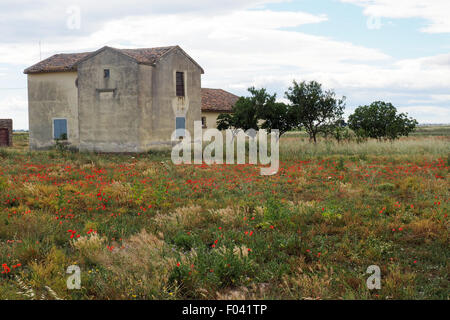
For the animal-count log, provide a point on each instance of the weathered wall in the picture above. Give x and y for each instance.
(7, 124)
(145, 103)
(133, 110)
(166, 105)
(52, 95)
(109, 114)
(211, 118)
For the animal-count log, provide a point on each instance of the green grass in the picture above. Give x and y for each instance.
(140, 227)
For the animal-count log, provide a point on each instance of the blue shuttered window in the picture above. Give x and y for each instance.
(60, 129)
(180, 126)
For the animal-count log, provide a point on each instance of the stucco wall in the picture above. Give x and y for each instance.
(211, 118)
(52, 95)
(145, 103)
(109, 114)
(166, 105)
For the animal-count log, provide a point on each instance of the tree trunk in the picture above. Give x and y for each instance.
(314, 137)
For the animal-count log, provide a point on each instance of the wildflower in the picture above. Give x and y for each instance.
(6, 269)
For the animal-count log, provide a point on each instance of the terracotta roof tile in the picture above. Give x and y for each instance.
(57, 63)
(67, 61)
(146, 56)
(217, 100)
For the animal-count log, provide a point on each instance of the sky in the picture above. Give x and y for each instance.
(397, 51)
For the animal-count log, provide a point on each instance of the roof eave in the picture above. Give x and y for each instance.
(48, 71)
(188, 56)
(216, 110)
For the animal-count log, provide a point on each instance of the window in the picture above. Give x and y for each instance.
(180, 84)
(60, 129)
(204, 122)
(180, 126)
(106, 73)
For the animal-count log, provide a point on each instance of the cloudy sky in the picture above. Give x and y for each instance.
(367, 50)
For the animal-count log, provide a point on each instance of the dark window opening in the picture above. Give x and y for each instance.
(204, 122)
(180, 84)
(106, 73)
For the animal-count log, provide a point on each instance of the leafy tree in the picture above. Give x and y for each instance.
(317, 110)
(278, 115)
(260, 105)
(380, 120)
(339, 131)
(244, 113)
(225, 121)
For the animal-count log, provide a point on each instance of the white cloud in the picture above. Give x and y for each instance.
(15, 107)
(434, 11)
(428, 114)
(239, 48)
(48, 19)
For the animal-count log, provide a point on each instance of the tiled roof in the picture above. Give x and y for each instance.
(218, 100)
(68, 61)
(57, 63)
(146, 56)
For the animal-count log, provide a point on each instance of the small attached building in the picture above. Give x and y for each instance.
(6, 132)
(215, 102)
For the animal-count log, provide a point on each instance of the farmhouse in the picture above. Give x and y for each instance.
(215, 102)
(119, 100)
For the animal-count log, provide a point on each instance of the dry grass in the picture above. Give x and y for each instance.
(142, 228)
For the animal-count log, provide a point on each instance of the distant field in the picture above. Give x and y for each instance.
(433, 131)
(140, 227)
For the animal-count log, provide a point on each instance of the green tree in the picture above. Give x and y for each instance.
(244, 113)
(315, 109)
(279, 116)
(259, 108)
(380, 120)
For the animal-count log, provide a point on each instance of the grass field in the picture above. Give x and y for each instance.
(140, 227)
